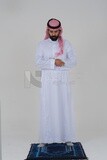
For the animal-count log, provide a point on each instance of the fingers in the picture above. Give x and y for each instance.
(59, 62)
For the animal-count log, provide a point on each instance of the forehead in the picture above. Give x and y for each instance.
(53, 30)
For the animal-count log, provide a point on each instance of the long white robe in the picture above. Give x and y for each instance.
(56, 110)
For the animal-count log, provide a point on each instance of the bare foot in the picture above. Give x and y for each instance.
(41, 145)
(69, 143)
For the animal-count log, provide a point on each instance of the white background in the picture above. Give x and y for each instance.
(22, 26)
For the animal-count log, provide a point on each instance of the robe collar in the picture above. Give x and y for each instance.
(52, 41)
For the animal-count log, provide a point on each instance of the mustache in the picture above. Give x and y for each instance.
(54, 36)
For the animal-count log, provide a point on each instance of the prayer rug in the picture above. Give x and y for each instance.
(57, 151)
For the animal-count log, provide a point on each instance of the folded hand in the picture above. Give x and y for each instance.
(59, 62)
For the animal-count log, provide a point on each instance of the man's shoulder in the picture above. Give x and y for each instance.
(67, 42)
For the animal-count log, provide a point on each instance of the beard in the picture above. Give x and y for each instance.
(53, 38)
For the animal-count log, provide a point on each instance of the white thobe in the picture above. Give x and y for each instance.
(56, 110)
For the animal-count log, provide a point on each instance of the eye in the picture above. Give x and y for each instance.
(50, 31)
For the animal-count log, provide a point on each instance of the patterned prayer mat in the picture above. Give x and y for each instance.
(57, 151)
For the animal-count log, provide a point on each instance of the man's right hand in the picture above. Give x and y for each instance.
(59, 62)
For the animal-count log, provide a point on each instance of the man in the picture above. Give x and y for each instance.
(55, 57)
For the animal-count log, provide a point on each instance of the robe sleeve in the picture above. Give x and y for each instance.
(70, 60)
(42, 61)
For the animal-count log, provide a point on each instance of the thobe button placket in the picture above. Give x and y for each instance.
(54, 49)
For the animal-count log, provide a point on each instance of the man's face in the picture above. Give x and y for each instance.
(53, 34)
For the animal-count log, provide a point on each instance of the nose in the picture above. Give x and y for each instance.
(53, 34)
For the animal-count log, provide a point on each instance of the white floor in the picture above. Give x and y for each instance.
(96, 149)
(18, 148)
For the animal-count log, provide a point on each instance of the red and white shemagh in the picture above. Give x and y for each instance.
(55, 25)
